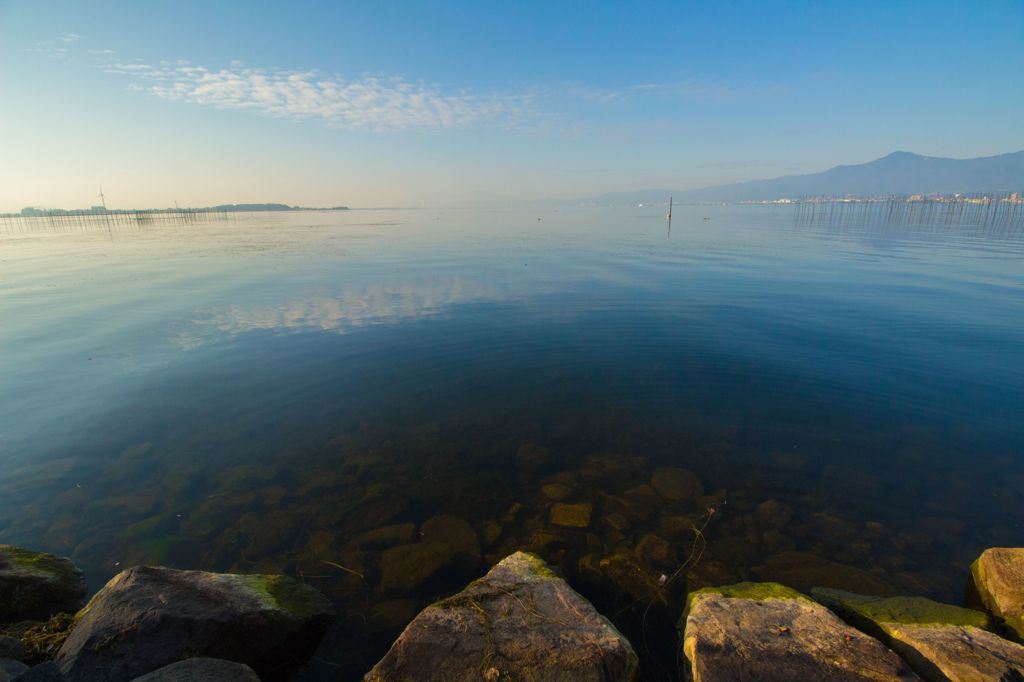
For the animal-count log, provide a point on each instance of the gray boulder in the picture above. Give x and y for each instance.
(943, 643)
(44, 672)
(998, 579)
(202, 670)
(11, 647)
(148, 617)
(10, 669)
(520, 621)
(36, 585)
(768, 632)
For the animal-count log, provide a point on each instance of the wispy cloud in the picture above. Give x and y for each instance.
(375, 104)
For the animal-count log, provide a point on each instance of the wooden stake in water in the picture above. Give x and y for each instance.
(668, 216)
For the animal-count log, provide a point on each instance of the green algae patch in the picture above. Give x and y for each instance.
(902, 610)
(41, 564)
(748, 590)
(288, 594)
(539, 566)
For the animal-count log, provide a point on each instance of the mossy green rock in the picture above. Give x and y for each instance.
(35, 585)
(943, 643)
(769, 632)
(519, 622)
(998, 576)
(149, 616)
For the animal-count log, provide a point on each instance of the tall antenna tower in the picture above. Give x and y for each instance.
(103, 199)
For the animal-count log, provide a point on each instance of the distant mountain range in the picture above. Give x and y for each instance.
(898, 173)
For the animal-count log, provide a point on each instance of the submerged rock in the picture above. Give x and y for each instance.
(942, 643)
(676, 484)
(768, 632)
(805, 571)
(406, 567)
(571, 515)
(998, 576)
(556, 492)
(36, 585)
(202, 670)
(531, 457)
(148, 617)
(520, 621)
(388, 536)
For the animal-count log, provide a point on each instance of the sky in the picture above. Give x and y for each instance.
(429, 103)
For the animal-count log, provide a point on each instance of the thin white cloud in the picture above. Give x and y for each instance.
(375, 104)
(70, 38)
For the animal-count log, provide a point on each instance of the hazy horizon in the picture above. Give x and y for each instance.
(410, 106)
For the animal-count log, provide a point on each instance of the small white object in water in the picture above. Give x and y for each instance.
(662, 580)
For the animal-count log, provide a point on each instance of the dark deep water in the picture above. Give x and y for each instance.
(257, 394)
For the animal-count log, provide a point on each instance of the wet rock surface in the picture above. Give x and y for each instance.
(767, 632)
(11, 669)
(998, 579)
(149, 617)
(520, 621)
(36, 585)
(943, 643)
(202, 670)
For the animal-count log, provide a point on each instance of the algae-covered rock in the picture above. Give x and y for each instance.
(998, 577)
(520, 621)
(202, 670)
(36, 585)
(676, 484)
(148, 617)
(943, 643)
(769, 632)
(571, 515)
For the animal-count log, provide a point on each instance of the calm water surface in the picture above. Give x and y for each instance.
(258, 394)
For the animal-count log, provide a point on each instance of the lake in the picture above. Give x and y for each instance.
(386, 402)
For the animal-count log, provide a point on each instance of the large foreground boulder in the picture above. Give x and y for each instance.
(36, 585)
(201, 670)
(942, 643)
(148, 617)
(518, 622)
(998, 576)
(768, 632)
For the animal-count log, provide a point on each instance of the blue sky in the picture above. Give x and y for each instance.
(389, 103)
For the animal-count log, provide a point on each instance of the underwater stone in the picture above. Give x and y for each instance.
(571, 515)
(943, 643)
(202, 670)
(388, 536)
(769, 632)
(652, 550)
(149, 616)
(531, 457)
(676, 484)
(520, 621)
(556, 492)
(406, 567)
(804, 571)
(998, 578)
(36, 585)
(451, 530)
